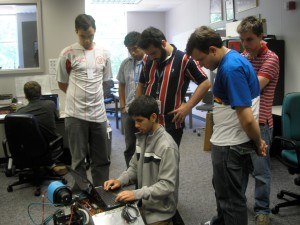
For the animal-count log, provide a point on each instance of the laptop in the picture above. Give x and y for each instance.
(104, 199)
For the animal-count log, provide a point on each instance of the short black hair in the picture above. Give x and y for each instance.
(151, 36)
(202, 38)
(144, 106)
(84, 21)
(32, 90)
(132, 38)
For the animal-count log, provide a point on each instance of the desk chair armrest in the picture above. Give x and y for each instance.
(4, 145)
(285, 143)
(288, 144)
(56, 142)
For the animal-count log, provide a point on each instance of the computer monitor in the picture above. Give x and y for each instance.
(52, 97)
(234, 44)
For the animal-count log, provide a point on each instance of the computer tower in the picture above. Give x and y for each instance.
(278, 46)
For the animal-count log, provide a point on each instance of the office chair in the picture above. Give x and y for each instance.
(29, 155)
(207, 106)
(288, 151)
(108, 95)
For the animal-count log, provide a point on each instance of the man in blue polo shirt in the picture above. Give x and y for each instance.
(236, 132)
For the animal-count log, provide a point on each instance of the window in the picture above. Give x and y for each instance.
(8, 42)
(111, 28)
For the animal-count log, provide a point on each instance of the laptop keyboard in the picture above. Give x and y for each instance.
(107, 196)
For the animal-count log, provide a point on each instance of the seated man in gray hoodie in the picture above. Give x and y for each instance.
(154, 166)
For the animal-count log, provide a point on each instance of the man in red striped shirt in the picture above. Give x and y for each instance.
(266, 65)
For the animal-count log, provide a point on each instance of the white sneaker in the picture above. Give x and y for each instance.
(262, 219)
(206, 223)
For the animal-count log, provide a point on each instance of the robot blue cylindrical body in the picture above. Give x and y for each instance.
(58, 193)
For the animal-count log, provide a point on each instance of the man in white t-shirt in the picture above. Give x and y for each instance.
(82, 68)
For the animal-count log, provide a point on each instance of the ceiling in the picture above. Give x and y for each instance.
(144, 5)
(154, 5)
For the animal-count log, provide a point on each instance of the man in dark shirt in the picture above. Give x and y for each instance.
(45, 113)
(166, 75)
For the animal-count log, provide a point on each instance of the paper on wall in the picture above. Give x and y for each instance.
(43, 80)
(53, 82)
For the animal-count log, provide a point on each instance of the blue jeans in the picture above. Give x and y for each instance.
(129, 132)
(230, 166)
(262, 175)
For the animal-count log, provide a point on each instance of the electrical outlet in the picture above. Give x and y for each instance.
(52, 66)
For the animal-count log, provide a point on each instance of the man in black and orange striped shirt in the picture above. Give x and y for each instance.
(166, 75)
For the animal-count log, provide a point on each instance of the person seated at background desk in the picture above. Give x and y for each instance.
(46, 115)
(154, 166)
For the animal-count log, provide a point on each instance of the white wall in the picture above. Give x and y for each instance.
(58, 30)
(138, 21)
(183, 19)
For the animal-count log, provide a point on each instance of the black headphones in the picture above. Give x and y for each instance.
(130, 213)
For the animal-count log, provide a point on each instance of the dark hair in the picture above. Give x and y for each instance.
(144, 106)
(84, 21)
(132, 38)
(202, 38)
(151, 36)
(252, 24)
(32, 90)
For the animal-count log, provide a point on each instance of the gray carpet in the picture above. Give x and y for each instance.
(196, 197)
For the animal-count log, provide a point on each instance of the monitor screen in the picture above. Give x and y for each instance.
(52, 97)
(236, 45)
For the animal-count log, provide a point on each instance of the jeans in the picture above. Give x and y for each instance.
(129, 133)
(89, 137)
(262, 175)
(230, 166)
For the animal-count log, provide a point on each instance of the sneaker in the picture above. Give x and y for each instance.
(59, 170)
(206, 223)
(262, 219)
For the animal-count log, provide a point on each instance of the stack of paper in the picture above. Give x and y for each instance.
(5, 99)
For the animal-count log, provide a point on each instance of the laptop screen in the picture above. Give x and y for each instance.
(52, 97)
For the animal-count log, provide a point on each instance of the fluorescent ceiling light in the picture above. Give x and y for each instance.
(116, 1)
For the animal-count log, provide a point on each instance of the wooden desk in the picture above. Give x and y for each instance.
(277, 110)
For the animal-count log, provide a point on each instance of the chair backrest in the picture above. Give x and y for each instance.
(291, 116)
(208, 98)
(25, 140)
(208, 102)
(107, 85)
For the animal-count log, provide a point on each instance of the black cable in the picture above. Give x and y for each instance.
(130, 213)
